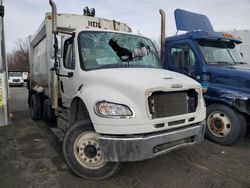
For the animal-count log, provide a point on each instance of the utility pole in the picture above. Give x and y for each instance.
(4, 87)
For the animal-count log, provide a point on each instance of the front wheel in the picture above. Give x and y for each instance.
(83, 155)
(225, 126)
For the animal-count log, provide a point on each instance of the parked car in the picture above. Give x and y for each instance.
(16, 78)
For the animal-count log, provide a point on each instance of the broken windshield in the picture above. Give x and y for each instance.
(99, 50)
(220, 52)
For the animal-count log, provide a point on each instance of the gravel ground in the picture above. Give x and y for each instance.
(31, 156)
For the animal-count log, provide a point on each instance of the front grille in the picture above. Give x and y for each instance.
(167, 104)
(16, 80)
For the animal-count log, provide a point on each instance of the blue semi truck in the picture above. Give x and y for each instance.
(212, 59)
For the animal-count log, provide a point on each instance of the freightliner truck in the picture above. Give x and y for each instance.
(212, 58)
(110, 97)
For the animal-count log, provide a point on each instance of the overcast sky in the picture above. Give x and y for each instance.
(23, 17)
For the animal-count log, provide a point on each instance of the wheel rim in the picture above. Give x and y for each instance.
(87, 151)
(219, 124)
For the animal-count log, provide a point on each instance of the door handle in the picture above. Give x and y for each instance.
(70, 74)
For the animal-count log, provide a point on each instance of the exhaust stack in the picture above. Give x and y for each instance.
(54, 90)
(163, 28)
(54, 15)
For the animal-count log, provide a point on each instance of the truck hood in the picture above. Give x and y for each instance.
(237, 76)
(141, 78)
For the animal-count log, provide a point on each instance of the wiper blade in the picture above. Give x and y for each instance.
(242, 63)
(221, 62)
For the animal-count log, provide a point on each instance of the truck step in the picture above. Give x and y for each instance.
(63, 119)
(58, 132)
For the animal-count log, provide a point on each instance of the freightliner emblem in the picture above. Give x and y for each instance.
(177, 86)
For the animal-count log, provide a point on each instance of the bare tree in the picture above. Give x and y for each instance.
(18, 59)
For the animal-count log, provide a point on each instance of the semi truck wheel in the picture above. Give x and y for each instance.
(83, 155)
(224, 125)
(35, 107)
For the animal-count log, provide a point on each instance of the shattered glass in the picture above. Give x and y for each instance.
(100, 50)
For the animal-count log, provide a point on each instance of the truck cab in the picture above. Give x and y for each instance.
(108, 93)
(212, 59)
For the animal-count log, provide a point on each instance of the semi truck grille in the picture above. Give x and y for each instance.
(167, 104)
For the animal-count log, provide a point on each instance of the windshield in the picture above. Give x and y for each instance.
(220, 52)
(15, 74)
(99, 50)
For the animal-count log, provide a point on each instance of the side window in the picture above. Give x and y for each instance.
(69, 55)
(181, 55)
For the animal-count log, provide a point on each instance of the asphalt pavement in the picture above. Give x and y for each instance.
(31, 156)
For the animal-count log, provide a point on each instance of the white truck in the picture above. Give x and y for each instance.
(105, 87)
(15, 78)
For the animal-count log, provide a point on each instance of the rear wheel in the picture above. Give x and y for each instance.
(35, 107)
(83, 154)
(48, 113)
(224, 125)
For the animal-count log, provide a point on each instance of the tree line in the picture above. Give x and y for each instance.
(18, 59)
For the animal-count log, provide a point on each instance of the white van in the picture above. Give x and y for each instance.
(16, 78)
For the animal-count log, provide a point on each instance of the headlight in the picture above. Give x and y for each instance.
(105, 108)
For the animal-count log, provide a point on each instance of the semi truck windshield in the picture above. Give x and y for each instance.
(220, 53)
(99, 50)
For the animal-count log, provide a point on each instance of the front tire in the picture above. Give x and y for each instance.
(83, 155)
(225, 126)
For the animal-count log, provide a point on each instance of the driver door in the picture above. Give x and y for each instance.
(182, 59)
(66, 71)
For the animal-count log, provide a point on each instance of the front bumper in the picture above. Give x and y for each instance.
(141, 147)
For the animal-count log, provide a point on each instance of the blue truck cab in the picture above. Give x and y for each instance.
(212, 59)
